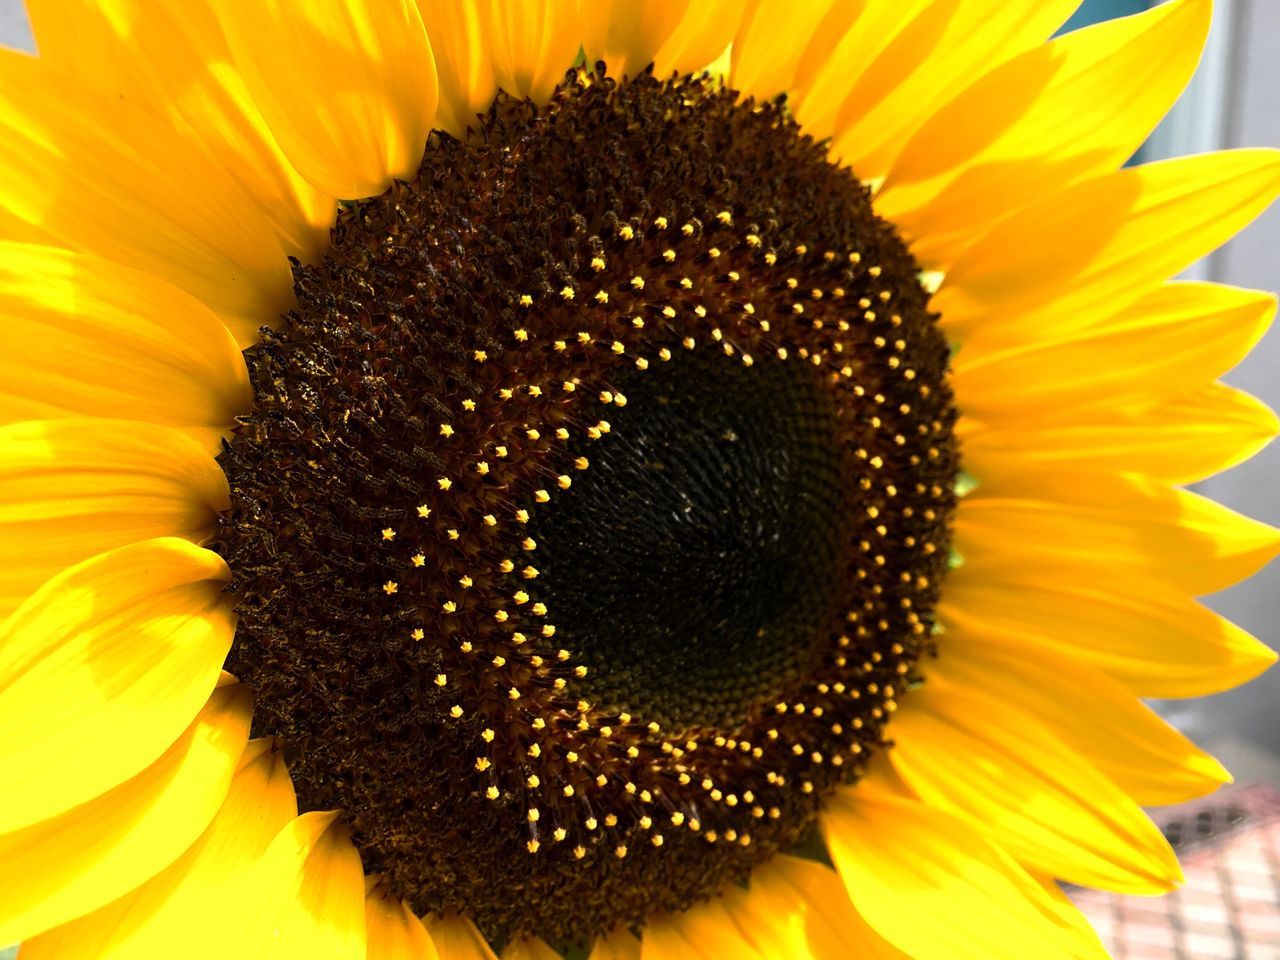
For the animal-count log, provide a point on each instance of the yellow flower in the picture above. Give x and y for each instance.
(680, 514)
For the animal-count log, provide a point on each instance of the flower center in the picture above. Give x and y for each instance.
(592, 510)
(705, 559)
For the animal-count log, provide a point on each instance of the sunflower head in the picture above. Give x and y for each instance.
(454, 499)
(615, 506)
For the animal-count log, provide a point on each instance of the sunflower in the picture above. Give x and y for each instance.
(626, 480)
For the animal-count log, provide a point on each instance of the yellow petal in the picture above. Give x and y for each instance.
(1086, 943)
(392, 930)
(195, 908)
(101, 670)
(998, 767)
(947, 44)
(822, 85)
(80, 336)
(70, 489)
(173, 62)
(459, 35)
(347, 87)
(1180, 440)
(1123, 525)
(531, 44)
(705, 931)
(776, 37)
(456, 938)
(626, 34)
(798, 909)
(77, 862)
(933, 887)
(101, 175)
(310, 894)
(1092, 714)
(1082, 254)
(700, 38)
(618, 945)
(1075, 107)
(1153, 639)
(1178, 337)
(523, 48)
(529, 948)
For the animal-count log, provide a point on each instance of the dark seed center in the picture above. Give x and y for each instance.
(591, 515)
(706, 558)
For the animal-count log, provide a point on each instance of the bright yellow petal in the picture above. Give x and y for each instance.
(947, 44)
(1073, 108)
(70, 489)
(82, 337)
(705, 931)
(618, 945)
(531, 44)
(523, 48)
(998, 767)
(459, 35)
(101, 175)
(776, 37)
(933, 887)
(456, 938)
(1091, 714)
(195, 908)
(90, 855)
(1087, 944)
(1152, 638)
(347, 87)
(1180, 440)
(1176, 338)
(798, 909)
(103, 668)
(1122, 525)
(823, 83)
(529, 948)
(392, 930)
(310, 894)
(626, 34)
(1082, 254)
(701, 37)
(173, 61)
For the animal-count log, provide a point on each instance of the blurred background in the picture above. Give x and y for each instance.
(1230, 844)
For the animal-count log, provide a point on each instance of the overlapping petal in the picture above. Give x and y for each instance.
(1179, 440)
(173, 913)
(101, 175)
(979, 903)
(523, 48)
(92, 854)
(1151, 637)
(942, 48)
(1075, 107)
(70, 489)
(354, 106)
(84, 337)
(998, 767)
(172, 61)
(1120, 736)
(309, 893)
(392, 930)
(1082, 254)
(456, 938)
(103, 668)
(799, 909)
